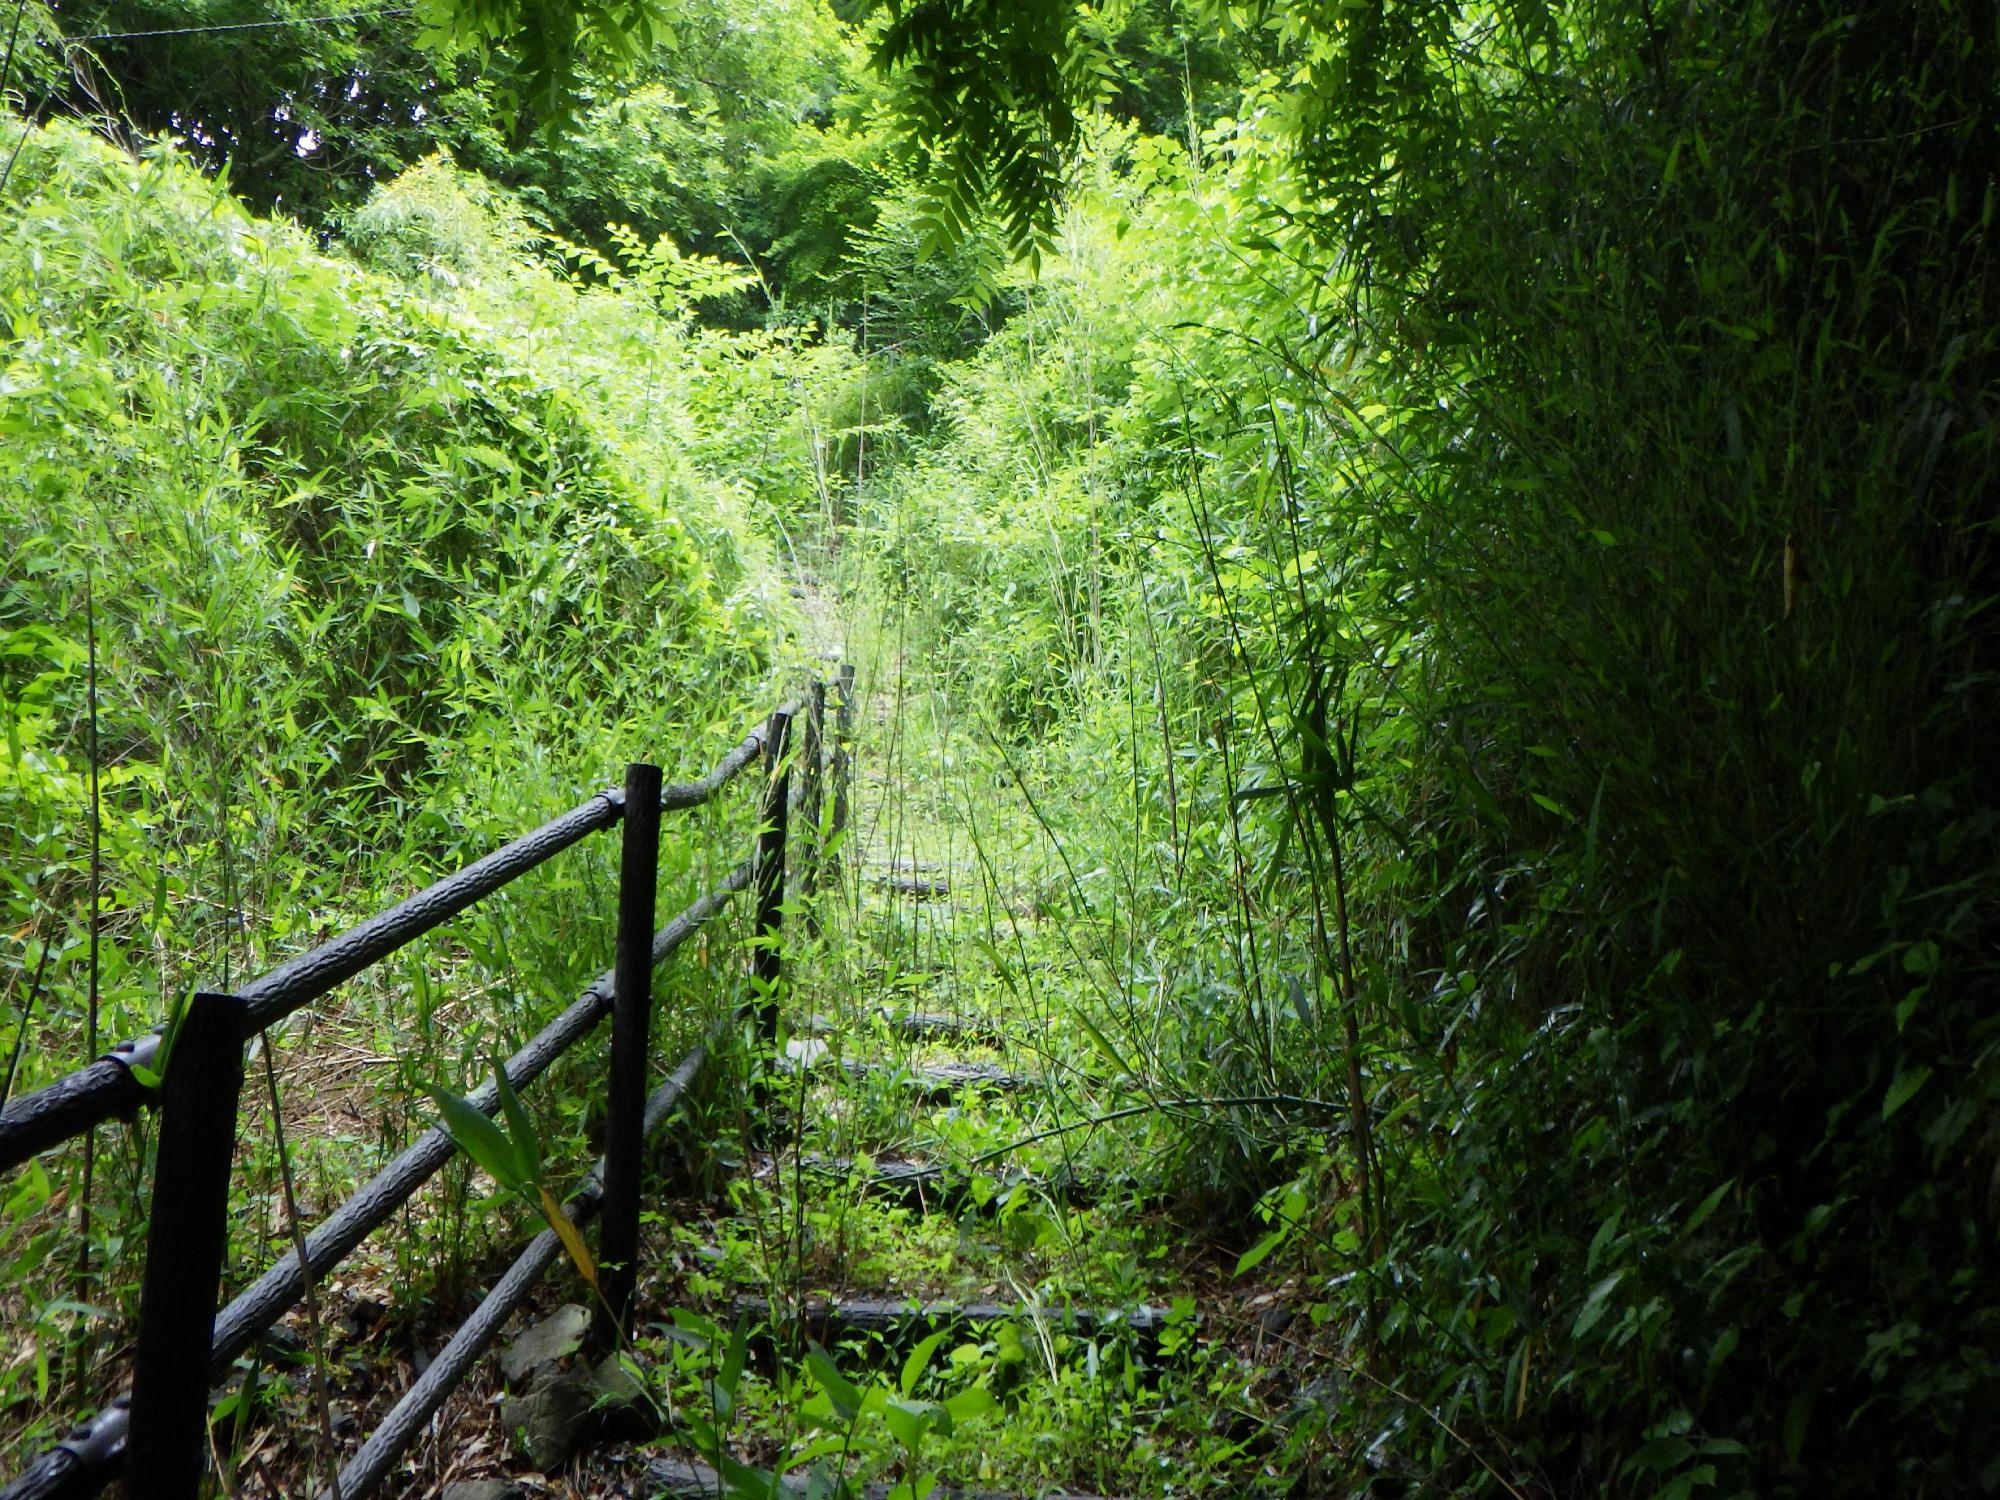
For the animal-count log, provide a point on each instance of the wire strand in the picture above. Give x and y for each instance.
(353, 15)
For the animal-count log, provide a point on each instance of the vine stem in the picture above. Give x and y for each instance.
(96, 923)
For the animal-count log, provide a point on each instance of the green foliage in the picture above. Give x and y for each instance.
(512, 1157)
(439, 224)
(1536, 596)
(374, 588)
(670, 118)
(1177, 69)
(991, 96)
(304, 111)
(692, 145)
(315, 472)
(1472, 562)
(817, 203)
(554, 43)
(31, 45)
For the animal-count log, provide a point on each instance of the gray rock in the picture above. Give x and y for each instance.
(548, 1342)
(484, 1489)
(1275, 1319)
(625, 1411)
(280, 1340)
(551, 1421)
(616, 1385)
(804, 1052)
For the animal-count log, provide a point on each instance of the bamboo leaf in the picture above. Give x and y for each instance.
(919, 1361)
(478, 1137)
(520, 1127)
(571, 1237)
(1904, 1089)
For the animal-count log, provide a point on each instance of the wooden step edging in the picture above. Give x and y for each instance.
(914, 886)
(828, 1320)
(933, 1083)
(932, 1186)
(916, 1026)
(684, 1479)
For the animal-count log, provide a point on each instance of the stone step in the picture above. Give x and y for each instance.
(918, 1026)
(940, 1082)
(918, 887)
(933, 1083)
(685, 1479)
(901, 1322)
(932, 1187)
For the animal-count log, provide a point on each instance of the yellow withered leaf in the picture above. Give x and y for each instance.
(571, 1237)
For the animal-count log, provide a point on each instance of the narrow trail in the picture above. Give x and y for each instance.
(929, 1267)
(892, 1227)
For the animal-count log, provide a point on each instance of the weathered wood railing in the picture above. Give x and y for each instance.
(158, 1434)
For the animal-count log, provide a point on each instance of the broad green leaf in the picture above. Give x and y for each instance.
(1258, 1253)
(696, 1329)
(1798, 1419)
(732, 1362)
(1659, 1454)
(908, 1421)
(520, 1127)
(998, 959)
(1596, 1304)
(478, 1137)
(1599, 1242)
(723, 1401)
(842, 1392)
(919, 1360)
(745, 1483)
(818, 1448)
(973, 1401)
(1706, 1207)
(1904, 1089)
(1103, 1044)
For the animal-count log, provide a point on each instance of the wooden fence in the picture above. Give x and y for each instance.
(157, 1435)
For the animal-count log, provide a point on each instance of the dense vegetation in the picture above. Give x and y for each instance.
(1468, 531)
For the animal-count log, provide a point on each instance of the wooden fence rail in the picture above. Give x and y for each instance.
(158, 1435)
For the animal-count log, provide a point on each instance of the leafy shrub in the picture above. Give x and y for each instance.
(371, 591)
(1546, 649)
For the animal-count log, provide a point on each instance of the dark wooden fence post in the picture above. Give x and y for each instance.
(631, 1027)
(765, 962)
(187, 1238)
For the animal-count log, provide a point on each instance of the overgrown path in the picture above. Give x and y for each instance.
(936, 1277)
(928, 1266)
